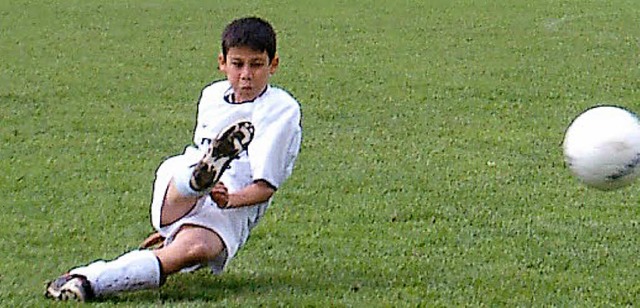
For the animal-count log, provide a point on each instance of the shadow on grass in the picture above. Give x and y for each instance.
(202, 286)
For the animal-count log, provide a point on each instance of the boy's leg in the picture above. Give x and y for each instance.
(188, 185)
(191, 246)
(135, 270)
(144, 269)
(138, 269)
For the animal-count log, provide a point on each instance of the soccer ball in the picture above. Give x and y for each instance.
(602, 147)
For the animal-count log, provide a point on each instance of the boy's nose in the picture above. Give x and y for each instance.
(245, 73)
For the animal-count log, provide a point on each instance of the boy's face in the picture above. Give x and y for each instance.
(248, 71)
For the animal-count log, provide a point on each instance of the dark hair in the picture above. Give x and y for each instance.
(252, 32)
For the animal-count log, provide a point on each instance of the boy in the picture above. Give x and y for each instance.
(206, 201)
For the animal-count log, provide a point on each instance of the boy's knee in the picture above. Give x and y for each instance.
(200, 244)
(200, 250)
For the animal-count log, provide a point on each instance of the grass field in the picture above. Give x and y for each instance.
(431, 172)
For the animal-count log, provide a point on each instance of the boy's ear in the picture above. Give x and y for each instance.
(221, 62)
(274, 64)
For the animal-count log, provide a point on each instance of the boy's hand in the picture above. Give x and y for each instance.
(220, 195)
(154, 241)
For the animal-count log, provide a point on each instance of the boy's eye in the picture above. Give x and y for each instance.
(241, 64)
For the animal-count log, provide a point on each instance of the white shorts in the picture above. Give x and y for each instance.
(232, 225)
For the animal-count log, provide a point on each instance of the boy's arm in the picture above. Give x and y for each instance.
(257, 192)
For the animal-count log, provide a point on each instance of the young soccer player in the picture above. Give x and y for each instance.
(206, 200)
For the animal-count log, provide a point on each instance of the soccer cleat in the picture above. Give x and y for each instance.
(69, 287)
(224, 149)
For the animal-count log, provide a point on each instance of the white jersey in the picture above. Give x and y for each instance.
(270, 157)
(275, 115)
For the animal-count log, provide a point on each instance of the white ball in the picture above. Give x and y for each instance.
(602, 147)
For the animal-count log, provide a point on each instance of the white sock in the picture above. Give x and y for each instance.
(182, 180)
(135, 270)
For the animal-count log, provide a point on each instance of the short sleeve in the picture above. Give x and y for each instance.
(276, 142)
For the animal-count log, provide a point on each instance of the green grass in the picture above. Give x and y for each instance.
(431, 171)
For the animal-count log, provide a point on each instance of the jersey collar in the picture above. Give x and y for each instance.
(229, 96)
